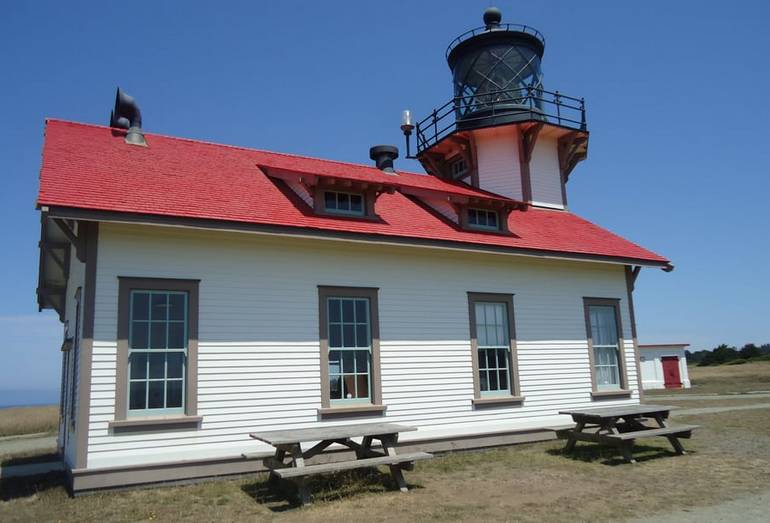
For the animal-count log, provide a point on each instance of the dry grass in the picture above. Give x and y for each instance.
(728, 457)
(739, 401)
(725, 379)
(28, 420)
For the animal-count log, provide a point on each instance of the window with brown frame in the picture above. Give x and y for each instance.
(493, 349)
(157, 361)
(606, 354)
(350, 350)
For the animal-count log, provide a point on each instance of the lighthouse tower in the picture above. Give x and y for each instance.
(502, 131)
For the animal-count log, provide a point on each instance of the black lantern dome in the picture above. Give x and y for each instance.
(496, 73)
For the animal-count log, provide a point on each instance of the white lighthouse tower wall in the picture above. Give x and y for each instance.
(544, 173)
(497, 157)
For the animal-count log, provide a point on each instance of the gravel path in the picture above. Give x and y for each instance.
(746, 509)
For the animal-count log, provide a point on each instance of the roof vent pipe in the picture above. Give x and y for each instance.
(127, 115)
(383, 156)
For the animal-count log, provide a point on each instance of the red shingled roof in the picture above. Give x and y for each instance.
(91, 167)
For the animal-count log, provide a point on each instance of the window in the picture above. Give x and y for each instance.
(344, 203)
(157, 348)
(605, 345)
(483, 219)
(350, 350)
(349, 335)
(493, 348)
(458, 169)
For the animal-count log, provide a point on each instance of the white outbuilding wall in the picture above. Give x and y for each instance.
(651, 360)
(259, 359)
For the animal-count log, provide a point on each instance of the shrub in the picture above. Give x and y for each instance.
(739, 361)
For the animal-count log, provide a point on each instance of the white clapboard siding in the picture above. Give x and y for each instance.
(497, 156)
(545, 173)
(259, 361)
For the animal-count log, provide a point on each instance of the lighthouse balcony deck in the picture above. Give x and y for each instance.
(501, 107)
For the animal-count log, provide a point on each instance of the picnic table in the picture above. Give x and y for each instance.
(621, 426)
(288, 446)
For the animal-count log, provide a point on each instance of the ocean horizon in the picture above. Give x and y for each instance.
(28, 398)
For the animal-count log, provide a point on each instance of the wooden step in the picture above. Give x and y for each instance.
(338, 466)
(680, 431)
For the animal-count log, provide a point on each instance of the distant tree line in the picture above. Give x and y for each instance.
(727, 354)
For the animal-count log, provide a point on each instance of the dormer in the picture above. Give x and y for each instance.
(351, 192)
(330, 195)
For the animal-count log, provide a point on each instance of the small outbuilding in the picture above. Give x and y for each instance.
(664, 366)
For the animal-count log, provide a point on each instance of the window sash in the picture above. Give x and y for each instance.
(145, 377)
(349, 350)
(352, 204)
(605, 337)
(493, 348)
(483, 219)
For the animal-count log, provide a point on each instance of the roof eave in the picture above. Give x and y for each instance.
(315, 233)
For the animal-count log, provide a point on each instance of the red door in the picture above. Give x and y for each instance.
(671, 372)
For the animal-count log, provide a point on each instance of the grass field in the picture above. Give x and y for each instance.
(728, 457)
(29, 420)
(724, 379)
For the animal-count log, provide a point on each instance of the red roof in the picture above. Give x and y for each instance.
(91, 167)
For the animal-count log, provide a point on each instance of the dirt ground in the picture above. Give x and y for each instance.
(729, 458)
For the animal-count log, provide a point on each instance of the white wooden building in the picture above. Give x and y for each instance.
(664, 366)
(208, 291)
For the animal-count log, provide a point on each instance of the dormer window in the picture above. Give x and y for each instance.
(483, 219)
(345, 203)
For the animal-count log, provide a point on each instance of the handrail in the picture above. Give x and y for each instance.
(547, 106)
(501, 27)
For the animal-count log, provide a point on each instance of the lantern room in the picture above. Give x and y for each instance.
(503, 131)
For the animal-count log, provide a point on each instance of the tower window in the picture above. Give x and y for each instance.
(458, 169)
(483, 219)
(351, 204)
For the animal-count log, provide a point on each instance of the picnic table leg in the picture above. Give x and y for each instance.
(388, 444)
(678, 448)
(570, 446)
(272, 478)
(626, 447)
(303, 494)
(366, 446)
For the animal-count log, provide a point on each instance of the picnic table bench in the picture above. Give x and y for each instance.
(621, 426)
(288, 445)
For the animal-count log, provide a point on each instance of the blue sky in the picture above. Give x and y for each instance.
(677, 108)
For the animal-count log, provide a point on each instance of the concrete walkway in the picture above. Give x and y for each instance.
(27, 443)
(746, 509)
(31, 469)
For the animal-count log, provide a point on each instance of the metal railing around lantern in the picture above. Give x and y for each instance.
(485, 109)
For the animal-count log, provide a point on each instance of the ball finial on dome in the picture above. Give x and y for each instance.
(492, 16)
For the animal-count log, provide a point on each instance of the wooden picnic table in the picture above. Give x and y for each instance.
(288, 445)
(621, 426)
